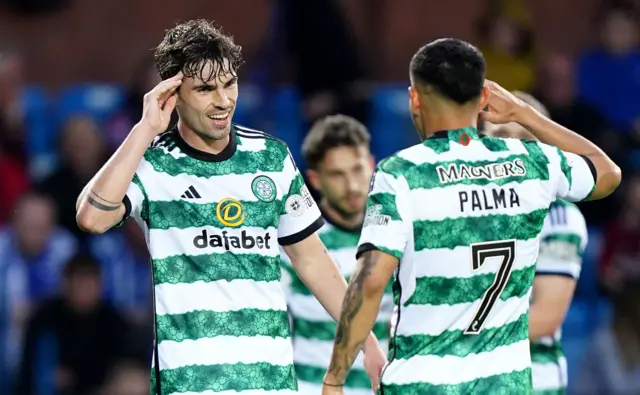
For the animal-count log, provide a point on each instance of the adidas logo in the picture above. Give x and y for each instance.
(191, 193)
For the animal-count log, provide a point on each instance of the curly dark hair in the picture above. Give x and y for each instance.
(189, 46)
(332, 132)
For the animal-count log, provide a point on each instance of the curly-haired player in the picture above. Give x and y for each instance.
(215, 200)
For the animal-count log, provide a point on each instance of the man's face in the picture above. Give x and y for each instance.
(207, 107)
(343, 178)
(33, 222)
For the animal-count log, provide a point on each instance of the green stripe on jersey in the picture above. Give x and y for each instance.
(542, 354)
(228, 377)
(503, 384)
(182, 214)
(271, 159)
(200, 324)
(326, 330)
(318, 329)
(453, 290)
(188, 269)
(335, 240)
(456, 343)
(463, 231)
(561, 391)
(313, 374)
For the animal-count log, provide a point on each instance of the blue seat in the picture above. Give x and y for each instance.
(587, 287)
(391, 126)
(97, 100)
(288, 120)
(250, 108)
(40, 128)
(578, 319)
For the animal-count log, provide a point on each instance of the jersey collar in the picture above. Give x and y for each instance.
(457, 134)
(223, 155)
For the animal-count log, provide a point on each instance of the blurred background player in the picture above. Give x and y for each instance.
(215, 201)
(563, 240)
(340, 165)
(459, 218)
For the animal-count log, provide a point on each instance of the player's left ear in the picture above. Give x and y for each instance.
(372, 161)
(484, 98)
(414, 100)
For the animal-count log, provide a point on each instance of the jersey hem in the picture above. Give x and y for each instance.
(303, 234)
(364, 248)
(127, 211)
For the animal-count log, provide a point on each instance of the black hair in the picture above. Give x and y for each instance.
(452, 67)
(188, 47)
(332, 132)
(81, 263)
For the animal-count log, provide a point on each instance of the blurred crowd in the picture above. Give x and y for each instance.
(76, 309)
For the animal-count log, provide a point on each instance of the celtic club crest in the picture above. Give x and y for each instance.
(264, 188)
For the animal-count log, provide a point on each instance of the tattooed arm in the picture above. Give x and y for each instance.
(100, 205)
(359, 311)
(318, 271)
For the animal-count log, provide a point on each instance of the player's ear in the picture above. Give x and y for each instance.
(484, 98)
(314, 179)
(414, 100)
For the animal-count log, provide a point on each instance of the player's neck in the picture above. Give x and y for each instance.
(335, 218)
(201, 143)
(448, 120)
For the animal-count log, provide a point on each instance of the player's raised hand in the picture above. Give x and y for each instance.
(159, 102)
(503, 106)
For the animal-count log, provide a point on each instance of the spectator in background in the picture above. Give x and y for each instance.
(83, 151)
(144, 79)
(72, 340)
(34, 246)
(33, 251)
(12, 125)
(612, 364)
(509, 52)
(128, 378)
(620, 259)
(13, 166)
(609, 73)
(126, 271)
(556, 88)
(329, 72)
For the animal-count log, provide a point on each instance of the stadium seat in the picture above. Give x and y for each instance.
(587, 287)
(288, 120)
(40, 131)
(250, 106)
(391, 126)
(98, 100)
(578, 319)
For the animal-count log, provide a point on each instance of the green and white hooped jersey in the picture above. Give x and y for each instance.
(463, 213)
(313, 329)
(213, 225)
(563, 241)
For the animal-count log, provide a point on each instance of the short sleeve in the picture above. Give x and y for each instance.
(300, 216)
(563, 245)
(387, 223)
(135, 202)
(577, 177)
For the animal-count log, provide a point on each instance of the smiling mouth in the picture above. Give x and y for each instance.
(219, 117)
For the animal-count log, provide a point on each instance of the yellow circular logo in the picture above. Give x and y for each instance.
(230, 212)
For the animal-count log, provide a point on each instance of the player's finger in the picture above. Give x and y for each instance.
(176, 77)
(489, 116)
(164, 87)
